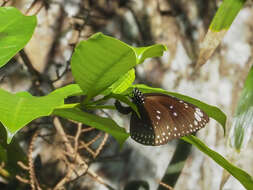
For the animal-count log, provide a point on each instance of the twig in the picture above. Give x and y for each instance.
(78, 133)
(94, 139)
(23, 166)
(86, 145)
(29, 65)
(63, 73)
(25, 181)
(166, 185)
(65, 179)
(37, 75)
(4, 3)
(101, 145)
(87, 148)
(4, 172)
(79, 160)
(38, 4)
(87, 129)
(33, 181)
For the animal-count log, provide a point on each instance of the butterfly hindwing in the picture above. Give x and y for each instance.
(141, 129)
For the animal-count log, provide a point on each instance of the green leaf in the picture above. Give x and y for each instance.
(100, 61)
(19, 109)
(143, 53)
(218, 28)
(211, 111)
(226, 14)
(245, 179)
(16, 30)
(122, 84)
(242, 122)
(101, 123)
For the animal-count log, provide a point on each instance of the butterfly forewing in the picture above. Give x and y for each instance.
(165, 118)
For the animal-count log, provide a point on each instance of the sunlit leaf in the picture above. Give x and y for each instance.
(16, 30)
(99, 63)
(19, 109)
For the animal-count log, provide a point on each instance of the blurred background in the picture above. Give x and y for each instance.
(180, 25)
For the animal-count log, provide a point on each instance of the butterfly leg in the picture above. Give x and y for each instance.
(122, 109)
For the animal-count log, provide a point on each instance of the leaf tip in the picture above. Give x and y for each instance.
(9, 136)
(97, 36)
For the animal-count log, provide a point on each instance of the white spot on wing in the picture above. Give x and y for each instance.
(199, 112)
(197, 116)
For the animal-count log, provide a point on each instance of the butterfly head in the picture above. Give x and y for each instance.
(138, 97)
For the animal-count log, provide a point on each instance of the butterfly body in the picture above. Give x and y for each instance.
(163, 118)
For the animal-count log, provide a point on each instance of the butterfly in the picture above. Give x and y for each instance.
(162, 118)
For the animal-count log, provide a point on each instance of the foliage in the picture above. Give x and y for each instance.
(101, 65)
(240, 132)
(12, 40)
(242, 176)
(221, 22)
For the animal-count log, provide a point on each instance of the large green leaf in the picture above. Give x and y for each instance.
(101, 123)
(100, 61)
(245, 179)
(15, 31)
(19, 109)
(218, 28)
(243, 120)
(211, 111)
